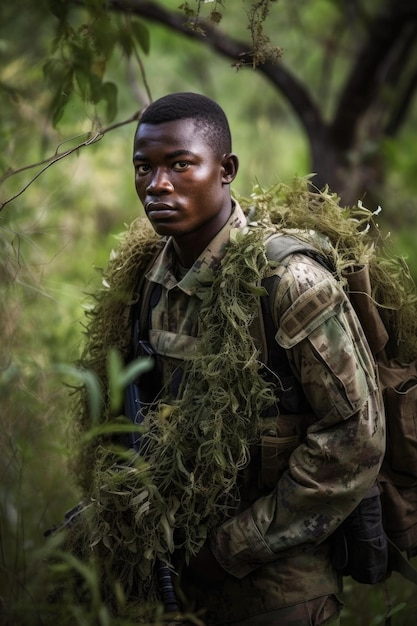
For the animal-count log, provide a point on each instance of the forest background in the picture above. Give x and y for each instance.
(309, 86)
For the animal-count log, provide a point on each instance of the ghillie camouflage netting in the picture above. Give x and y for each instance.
(142, 509)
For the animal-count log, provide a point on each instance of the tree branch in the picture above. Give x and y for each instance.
(58, 156)
(400, 113)
(239, 53)
(363, 86)
(405, 88)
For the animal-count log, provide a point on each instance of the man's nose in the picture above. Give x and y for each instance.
(160, 182)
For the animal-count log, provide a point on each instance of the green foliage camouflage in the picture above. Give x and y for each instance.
(140, 509)
(357, 240)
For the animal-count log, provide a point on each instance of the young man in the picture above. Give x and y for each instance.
(249, 527)
(268, 563)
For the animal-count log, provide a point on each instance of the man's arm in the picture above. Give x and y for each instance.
(331, 470)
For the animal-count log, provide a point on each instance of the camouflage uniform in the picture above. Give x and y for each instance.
(312, 466)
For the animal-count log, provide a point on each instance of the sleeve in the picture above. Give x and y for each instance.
(339, 459)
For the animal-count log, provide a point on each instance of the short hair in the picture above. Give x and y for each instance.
(209, 117)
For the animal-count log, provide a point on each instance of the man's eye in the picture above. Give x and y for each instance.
(142, 169)
(181, 165)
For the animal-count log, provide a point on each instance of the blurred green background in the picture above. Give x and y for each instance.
(58, 233)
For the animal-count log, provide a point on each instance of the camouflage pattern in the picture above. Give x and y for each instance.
(173, 333)
(308, 472)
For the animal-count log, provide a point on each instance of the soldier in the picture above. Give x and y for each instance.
(265, 464)
(268, 563)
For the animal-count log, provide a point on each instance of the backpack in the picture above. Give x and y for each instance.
(372, 541)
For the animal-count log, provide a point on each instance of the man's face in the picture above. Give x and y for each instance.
(180, 180)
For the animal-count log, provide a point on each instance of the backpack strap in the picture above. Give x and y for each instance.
(135, 396)
(141, 311)
(280, 248)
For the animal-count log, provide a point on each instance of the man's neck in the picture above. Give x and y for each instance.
(188, 247)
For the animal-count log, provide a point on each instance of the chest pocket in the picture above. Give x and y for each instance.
(168, 349)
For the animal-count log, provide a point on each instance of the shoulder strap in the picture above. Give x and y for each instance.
(278, 249)
(141, 310)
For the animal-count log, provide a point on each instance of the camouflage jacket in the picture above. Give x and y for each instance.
(310, 469)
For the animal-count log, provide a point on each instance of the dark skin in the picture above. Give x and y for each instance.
(183, 182)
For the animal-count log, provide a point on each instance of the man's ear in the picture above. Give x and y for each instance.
(230, 164)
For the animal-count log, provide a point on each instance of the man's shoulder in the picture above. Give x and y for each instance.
(307, 296)
(302, 272)
(299, 271)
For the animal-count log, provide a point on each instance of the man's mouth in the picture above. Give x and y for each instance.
(159, 210)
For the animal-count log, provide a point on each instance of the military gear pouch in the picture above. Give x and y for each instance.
(359, 545)
(360, 295)
(398, 475)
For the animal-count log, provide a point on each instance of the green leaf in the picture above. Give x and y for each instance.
(53, 70)
(59, 75)
(396, 609)
(104, 35)
(135, 369)
(119, 377)
(125, 41)
(114, 367)
(109, 94)
(112, 428)
(90, 380)
(58, 104)
(83, 82)
(81, 54)
(141, 33)
(96, 88)
(257, 290)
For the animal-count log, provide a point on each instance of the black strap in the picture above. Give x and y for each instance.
(279, 248)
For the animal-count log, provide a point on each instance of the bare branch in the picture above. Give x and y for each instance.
(58, 156)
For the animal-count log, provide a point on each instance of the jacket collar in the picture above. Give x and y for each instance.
(200, 275)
